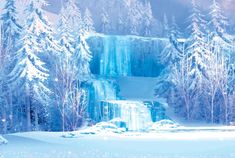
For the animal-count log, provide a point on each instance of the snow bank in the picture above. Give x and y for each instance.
(3, 140)
(116, 126)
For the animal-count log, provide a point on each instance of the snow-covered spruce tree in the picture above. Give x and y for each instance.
(105, 23)
(197, 57)
(121, 24)
(72, 15)
(174, 51)
(81, 59)
(218, 23)
(29, 73)
(220, 44)
(171, 56)
(62, 68)
(80, 62)
(166, 28)
(10, 30)
(88, 24)
(134, 17)
(148, 20)
(71, 69)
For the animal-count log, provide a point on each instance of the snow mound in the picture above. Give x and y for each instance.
(103, 128)
(120, 123)
(164, 125)
(3, 140)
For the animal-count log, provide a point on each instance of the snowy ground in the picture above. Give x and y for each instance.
(194, 144)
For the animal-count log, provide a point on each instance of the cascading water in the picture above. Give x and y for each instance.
(115, 59)
(135, 114)
(118, 56)
(104, 90)
(101, 90)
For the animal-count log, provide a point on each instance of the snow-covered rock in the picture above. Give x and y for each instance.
(103, 127)
(69, 135)
(119, 122)
(3, 140)
(163, 125)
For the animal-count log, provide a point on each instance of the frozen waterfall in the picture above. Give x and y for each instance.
(116, 56)
(104, 90)
(115, 59)
(135, 114)
(100, 90)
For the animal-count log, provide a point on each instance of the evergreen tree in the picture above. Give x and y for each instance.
(10, 26)
(29, 73)
(105, 23)
(64, 33)
(197, 50)
(148, 20)
(218, 23)
(134, 17)
(72, 15)
(10, 31)
(165, 26)
(88, 25)
(81, 59)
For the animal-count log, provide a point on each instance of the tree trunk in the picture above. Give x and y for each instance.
(36, 118)
(4, 120)
(28, 110)
(212, 109)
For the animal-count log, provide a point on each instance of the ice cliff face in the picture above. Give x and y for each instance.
(116, 56)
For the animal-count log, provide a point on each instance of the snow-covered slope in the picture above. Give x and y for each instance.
(137, 88)
(135, 145)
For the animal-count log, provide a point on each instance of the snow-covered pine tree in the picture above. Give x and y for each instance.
(195, 63)
(10, 31)
(105, 23)
(72, 15)
(197, 50)
(176, 37)
(166, 28)
(148, 20)
(63, 70)
(10, 26)
(80, 64)
(218, 23)
(220, 44)
(172, 56)
(134, 17)
(88, 24)
(64, 33)
(121, 24)
(29, 73)
(71, 69)
(81, 59)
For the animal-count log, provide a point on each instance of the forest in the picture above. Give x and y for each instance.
(45, 68)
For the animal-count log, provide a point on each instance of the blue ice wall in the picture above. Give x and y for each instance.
(100, 90)
(116, 56)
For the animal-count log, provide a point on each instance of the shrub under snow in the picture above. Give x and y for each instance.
(3, 140)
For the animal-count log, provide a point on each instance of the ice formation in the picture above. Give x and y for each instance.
(135, 114)
(117, 56)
